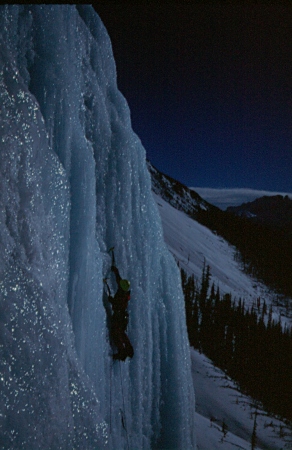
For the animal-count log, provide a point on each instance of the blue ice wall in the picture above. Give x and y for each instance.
(74, 182)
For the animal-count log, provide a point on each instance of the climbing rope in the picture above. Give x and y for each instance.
(123, 415)
(111, 370)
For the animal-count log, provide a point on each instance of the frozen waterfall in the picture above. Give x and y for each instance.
(74, 182)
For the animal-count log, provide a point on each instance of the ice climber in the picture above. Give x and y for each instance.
(120, 316)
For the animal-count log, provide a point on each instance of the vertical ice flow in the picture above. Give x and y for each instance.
(74, 182)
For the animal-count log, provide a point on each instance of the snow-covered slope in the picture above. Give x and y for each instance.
(217, 397)
(191, 243)
(74, 182)
(220, 402)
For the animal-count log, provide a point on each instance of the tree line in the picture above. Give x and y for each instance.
(247, 343)
(265, 251)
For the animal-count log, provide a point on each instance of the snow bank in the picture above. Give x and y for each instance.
(219, 401)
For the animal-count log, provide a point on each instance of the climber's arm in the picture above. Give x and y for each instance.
(117, 274)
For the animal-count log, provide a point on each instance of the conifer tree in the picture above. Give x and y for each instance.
(254, 432)
(254, 352)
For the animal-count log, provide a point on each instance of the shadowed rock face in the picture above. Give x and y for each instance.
(177, 194)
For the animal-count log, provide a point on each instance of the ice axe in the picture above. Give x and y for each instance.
(108, 288)
(113, 255)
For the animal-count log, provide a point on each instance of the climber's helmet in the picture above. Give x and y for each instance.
(125, 285)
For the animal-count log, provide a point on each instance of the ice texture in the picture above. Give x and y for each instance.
(74, 182)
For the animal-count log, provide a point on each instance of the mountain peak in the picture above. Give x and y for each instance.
(176, 193)
(273, 210)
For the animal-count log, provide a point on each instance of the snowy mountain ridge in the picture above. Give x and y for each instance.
(175, 193)
(273, 210)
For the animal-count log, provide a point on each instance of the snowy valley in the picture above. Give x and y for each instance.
(218, 399)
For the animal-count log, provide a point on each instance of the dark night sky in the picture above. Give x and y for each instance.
(209, 88)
